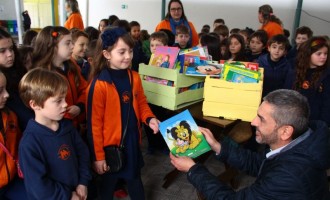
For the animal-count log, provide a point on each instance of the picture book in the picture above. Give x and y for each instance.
(164, 57)
(239, 78)
(237, 74)
(247, 65)
(198, 67)
(182, 135)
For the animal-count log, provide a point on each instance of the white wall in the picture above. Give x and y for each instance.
(7, 10)
(236, 13)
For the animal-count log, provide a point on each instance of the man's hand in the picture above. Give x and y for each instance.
(182, 163)
(214, 144)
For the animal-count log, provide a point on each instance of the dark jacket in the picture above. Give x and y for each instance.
(53, 162)
(297, 172)
(274, 73)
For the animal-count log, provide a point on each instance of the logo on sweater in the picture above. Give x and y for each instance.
(64, 152)
(125, 97)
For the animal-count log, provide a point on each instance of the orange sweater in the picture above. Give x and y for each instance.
(74, 21)
(272, 29)
(104, 112)
(10, 138)
(165, 24)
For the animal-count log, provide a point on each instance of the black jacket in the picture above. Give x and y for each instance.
(297, 172)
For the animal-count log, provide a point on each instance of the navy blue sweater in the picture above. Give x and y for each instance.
(53, 163)
(274, 73)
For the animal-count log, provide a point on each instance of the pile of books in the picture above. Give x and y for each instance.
(241, 72)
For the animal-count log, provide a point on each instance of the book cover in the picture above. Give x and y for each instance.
(164, 57)
(247, 65)
(230, 69)
(182, 135)
(239, 78)
(198, 67)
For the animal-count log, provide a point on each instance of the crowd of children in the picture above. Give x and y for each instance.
(69, 89)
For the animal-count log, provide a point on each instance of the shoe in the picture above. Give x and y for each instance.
(121, 193)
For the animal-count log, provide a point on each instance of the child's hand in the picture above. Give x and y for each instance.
(81, 191)
(100, 167)
(75, 196)
(74, 111)
(153, 124)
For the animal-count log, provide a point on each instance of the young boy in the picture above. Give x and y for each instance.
(222, 31)
(303, 33)
(158, 38)
(275, 64)
(257, 45)
(54, 159)
(182, 37)
(218, 22)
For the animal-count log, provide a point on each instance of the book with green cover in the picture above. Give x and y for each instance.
(231, 72)
(182, 135)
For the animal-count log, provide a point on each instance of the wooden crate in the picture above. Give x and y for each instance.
(169, 96)
(232, 100)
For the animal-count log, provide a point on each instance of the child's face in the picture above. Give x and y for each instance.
(155, 43)
(80, 47)
(7, 55)
(276, 51)
(64, 49)
(102, 26)
(234, 46)
(53, 110)
(120, 56)
(135, 32)
(301, 38)
(319, 57)
(256, 45)
(3, 92)
(182, 39)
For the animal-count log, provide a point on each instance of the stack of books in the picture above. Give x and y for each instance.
(241, 72)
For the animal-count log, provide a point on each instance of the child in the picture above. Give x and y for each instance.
(29, 37)
(257, 45)
(303, 33)
(222, 31)
(135, 30)
(53, 157)
(218, 22)
(90, 54)
(213, 46)
(312, 77)
(25, 54)
(53, 49)
(93, 33)
(245, 34)
(118, 90)
(235, 48)
(158, 38)
(103, 24)
(145, 40)
(275, 64)
(223, 47)
(13, 69)
(80, 45)
(182, 37)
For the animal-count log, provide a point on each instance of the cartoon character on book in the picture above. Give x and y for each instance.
(183, 137)
(208, 69)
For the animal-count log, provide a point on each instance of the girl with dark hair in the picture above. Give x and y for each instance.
(235, 48)
(175, 16)
(269, 22)
(74, 17)
(312, 77)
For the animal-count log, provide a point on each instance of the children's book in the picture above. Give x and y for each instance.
(198, 67)
(238, 74)
(182, 135)
(247, 65)
(164, 57)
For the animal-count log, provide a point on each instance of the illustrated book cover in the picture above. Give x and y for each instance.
(198, 67)
(182, 135)
(164, 57)
(237, 74)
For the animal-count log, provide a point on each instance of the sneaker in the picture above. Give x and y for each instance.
(121, 193)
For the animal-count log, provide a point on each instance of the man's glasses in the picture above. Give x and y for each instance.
(176, 9)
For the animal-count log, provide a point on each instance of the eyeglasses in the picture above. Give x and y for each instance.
(176, 9)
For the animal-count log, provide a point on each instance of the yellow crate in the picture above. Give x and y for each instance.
(169, 96)
(232, 100)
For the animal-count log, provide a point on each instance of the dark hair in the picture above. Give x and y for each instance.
(122, 23)
(305, 51)
(24, 52)
(304, 30)
(133, 23)
(279, 39)
(168, 15)
(113, 34)
(286, 33)
(93, 33)
(268, 15)
(213, 46)
(289, 108)
(77, 34)
(112, 19)
(240, 56)
(181, 29)
(234, 30)
(261, 35)
(91, 49)
(222, 30)
(219, 21)
(106, 21)
(160, 35)
(28, 37)
(144, 35)
(170, 35)
(73, 4)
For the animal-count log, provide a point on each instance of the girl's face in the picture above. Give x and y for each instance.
(102, 26)
(135, 32)
(234, 46)
(301, 38)
(319, 57)
(7, 55)
(64, 49)
(256, 45)
(80, 47)
(3, 92)
(120, 56)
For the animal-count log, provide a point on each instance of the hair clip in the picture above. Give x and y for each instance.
(54, 34)
(318, 42)
(110, 36)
